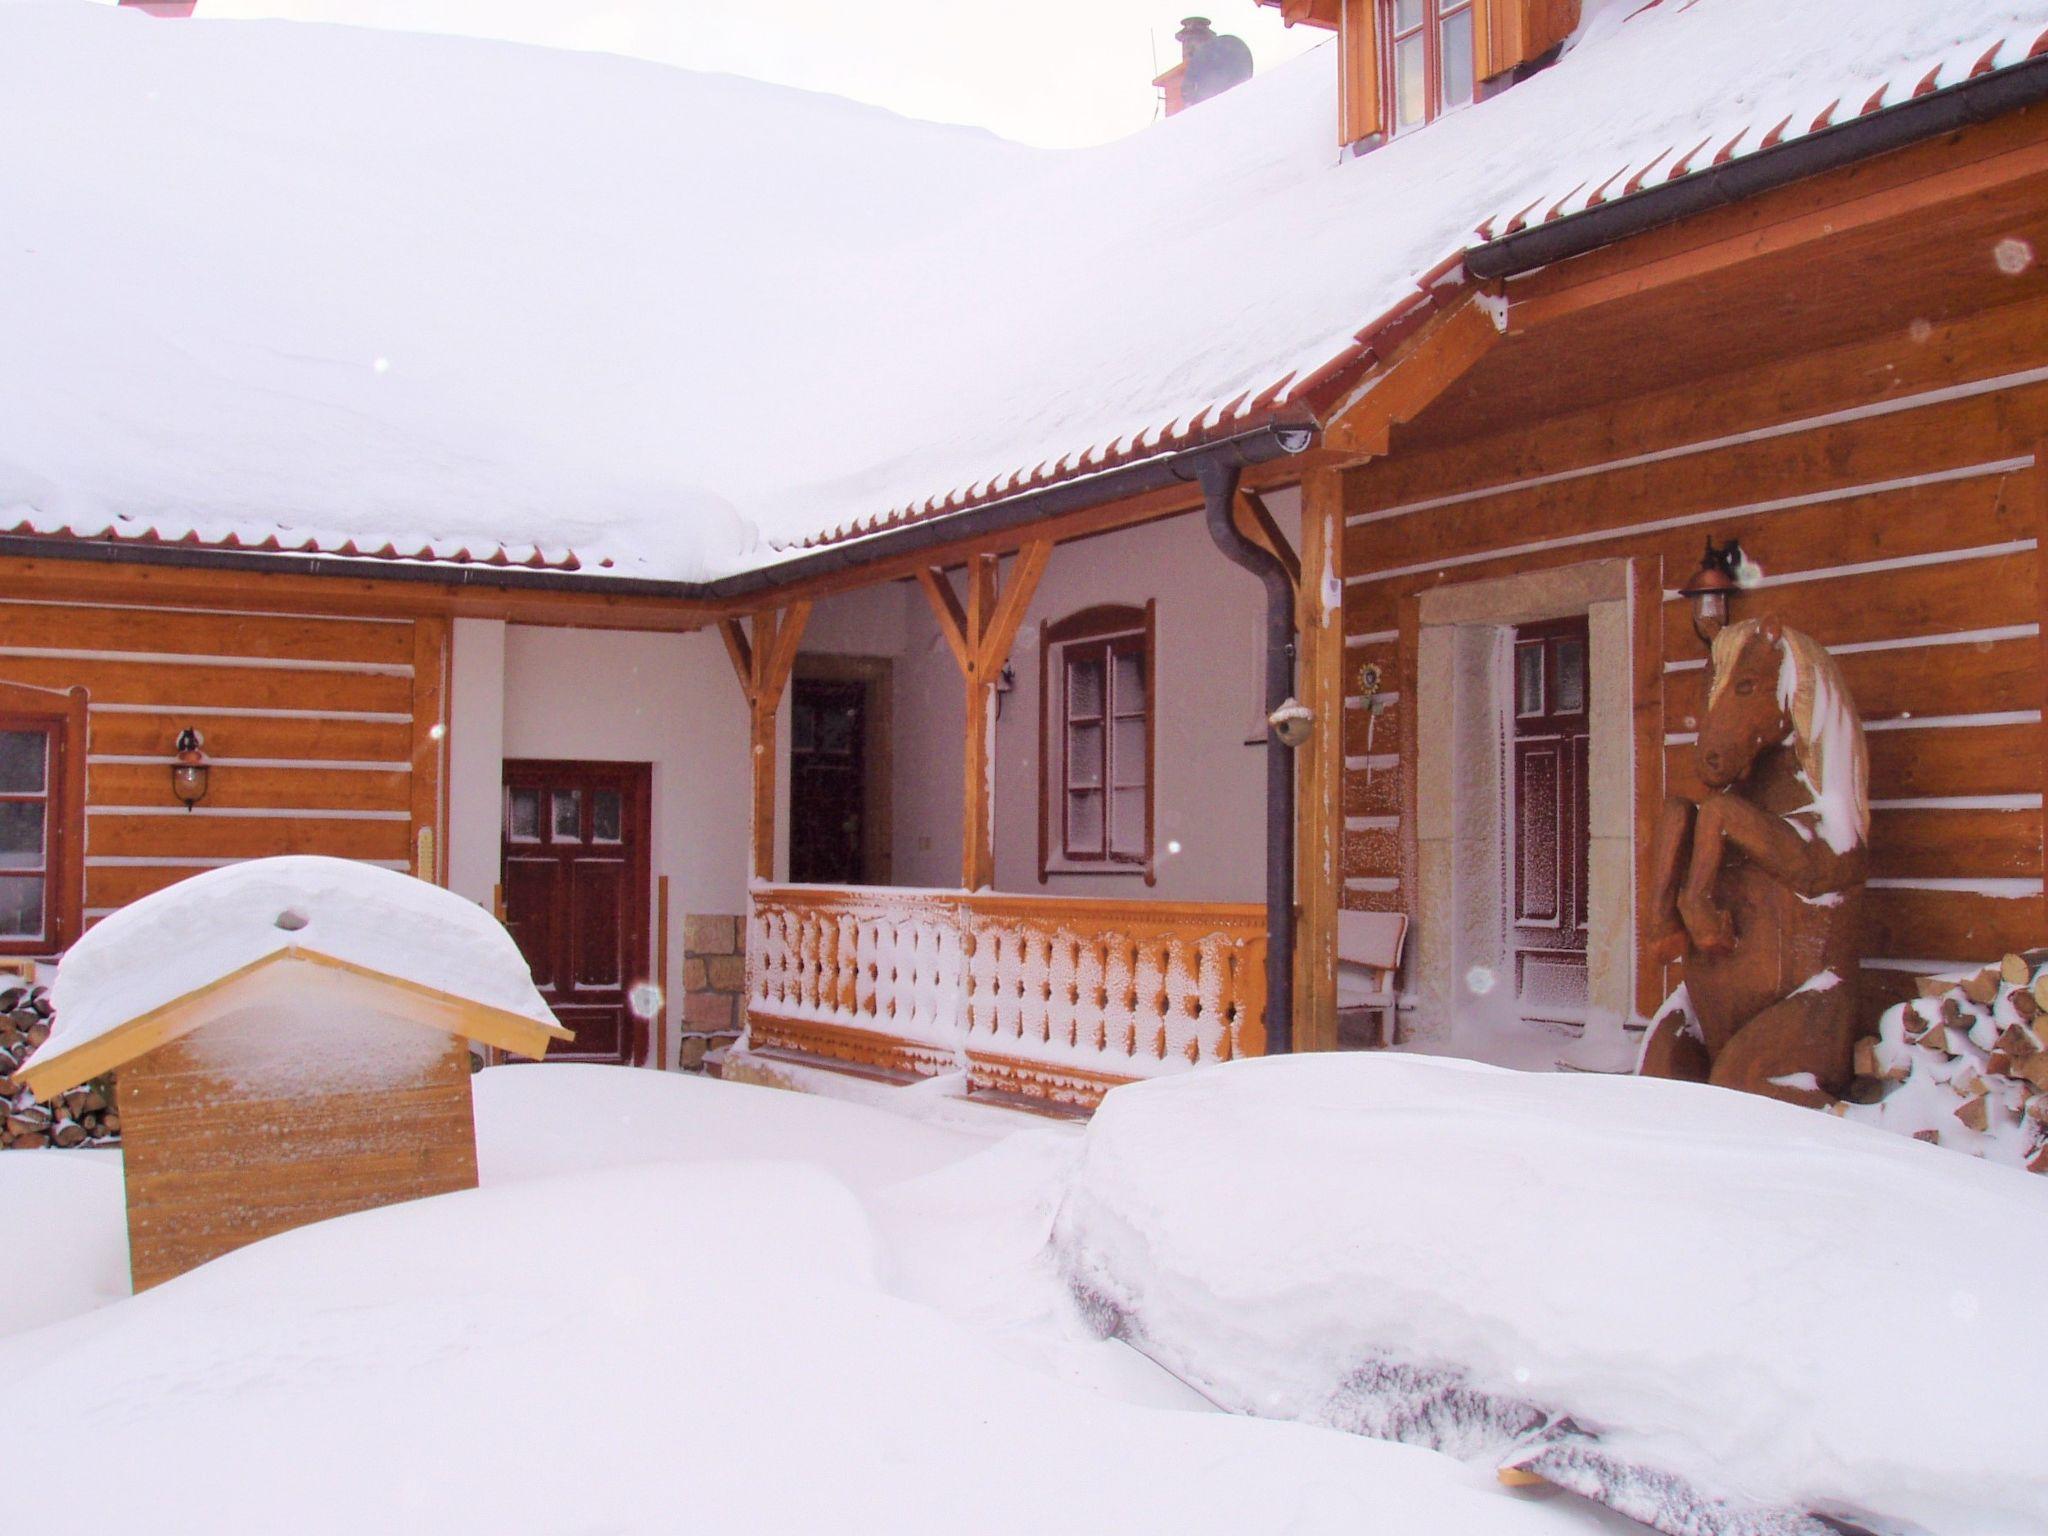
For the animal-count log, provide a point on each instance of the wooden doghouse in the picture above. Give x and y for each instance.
(288, 1039)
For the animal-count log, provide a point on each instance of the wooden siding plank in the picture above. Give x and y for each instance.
(1939, 843)
(1955, 596)
(1990, 676)
(198, 835)
(230, 787)
(1949, 925)
(1840, 457)
(243, 736)
(56, 626)
(179, 687)
(1372, 852)
(1915, 765)
(118, 884)
(1362, 735)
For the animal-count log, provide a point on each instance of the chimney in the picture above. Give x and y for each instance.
(1210, 64)
(160, 7)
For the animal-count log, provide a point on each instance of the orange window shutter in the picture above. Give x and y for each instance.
(1358, 77)
(1509, 33)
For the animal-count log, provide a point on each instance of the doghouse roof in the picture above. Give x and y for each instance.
(169, 963)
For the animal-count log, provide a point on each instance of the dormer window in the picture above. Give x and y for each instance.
(1428, 57)
(1401, 62)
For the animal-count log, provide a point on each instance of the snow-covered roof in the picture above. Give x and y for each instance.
(317, 288)
(133, 967)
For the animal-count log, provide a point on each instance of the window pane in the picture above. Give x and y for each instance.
(1128, 766)
(1127, 823)
(1084, 686)
(803, 728)
(607, 810)
(1407, 13)
(1128, 694)
(1410, 96)
(21, 908)
(23, 758)
(1528, 679)
(523, 815)
(568, 815)
(1571, 676)
(835, 731)
(1084, 756)
(21, 834)
(1457, 57)
(1084, 821)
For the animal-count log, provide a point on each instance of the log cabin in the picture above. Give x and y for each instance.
(864, 630)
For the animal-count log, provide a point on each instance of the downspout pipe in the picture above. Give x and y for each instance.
(1219, 480)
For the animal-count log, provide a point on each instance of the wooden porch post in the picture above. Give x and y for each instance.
(1318, 808)
(763, 662)
(980, 635)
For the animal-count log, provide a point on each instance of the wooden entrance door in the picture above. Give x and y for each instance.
(575, 875)
(1551, 840)
(828, 788)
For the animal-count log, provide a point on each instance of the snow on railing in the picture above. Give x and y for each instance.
(1047, 997)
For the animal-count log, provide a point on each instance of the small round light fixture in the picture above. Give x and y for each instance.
(1711, 586)
(191, 771)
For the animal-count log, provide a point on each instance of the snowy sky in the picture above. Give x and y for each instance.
(1057, 72)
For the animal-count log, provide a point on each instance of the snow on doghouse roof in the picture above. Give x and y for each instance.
(274, 285)
(125, 980)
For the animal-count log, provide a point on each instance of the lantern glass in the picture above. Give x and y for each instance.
(1709, 614)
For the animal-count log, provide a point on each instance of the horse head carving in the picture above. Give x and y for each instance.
(1759, 885)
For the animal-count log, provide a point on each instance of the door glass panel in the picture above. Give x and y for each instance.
(607, 810)
(1410, 82)
(835, 732)
(1084, 821)
(568, 823)
(21, 834)
(1084, 687)
(1528, 679)
(1457, 57)
(24, 757)
(1571, 676)
(21, 907)
(522, 815)
(803, 728)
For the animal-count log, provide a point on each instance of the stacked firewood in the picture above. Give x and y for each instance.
(1963, 1064)
(83, 1117)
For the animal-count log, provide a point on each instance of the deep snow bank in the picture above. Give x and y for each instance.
(1744, 1306)
(701, 1347)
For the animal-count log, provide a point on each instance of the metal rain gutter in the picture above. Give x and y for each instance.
(1167, 471)
(1832, 148)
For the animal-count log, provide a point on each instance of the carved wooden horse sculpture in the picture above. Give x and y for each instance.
(1760, 886)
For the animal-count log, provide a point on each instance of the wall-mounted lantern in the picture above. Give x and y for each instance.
(1711, 586)
(191, 771)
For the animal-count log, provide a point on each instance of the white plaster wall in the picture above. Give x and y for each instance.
(1209, 786)
(607, 696)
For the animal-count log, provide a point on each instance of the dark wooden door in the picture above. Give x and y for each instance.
(575, 878)
(1551, 840)
(827, 781)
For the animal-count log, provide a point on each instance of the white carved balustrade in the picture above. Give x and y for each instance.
(1041, 996)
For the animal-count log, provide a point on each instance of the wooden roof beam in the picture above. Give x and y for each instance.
(1425, 365)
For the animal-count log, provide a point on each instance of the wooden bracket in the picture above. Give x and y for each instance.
(1420, 369)
(1256, 523)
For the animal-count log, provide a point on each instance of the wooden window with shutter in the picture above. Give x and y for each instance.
(1401, 62)
(1096, 705)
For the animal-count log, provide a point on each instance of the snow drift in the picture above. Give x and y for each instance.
(1713, 1311)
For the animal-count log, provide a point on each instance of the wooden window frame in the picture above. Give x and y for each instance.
(63, 716)
(1106, 624)
(1435, 14)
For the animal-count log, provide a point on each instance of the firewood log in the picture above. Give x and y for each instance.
(1931, 986)
(1932, 1137)
(1936, 1038)
(2018, 969)
(1866, 1057)
(111, 1123)
(1952, 1012)
(69, 1133)
(1982, 987)
(1974, 1113)
(2034, 1069)
(2023, 1004)
(2040, 991)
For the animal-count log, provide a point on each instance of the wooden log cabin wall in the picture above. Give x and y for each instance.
(1849, 378)
(324, 732)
